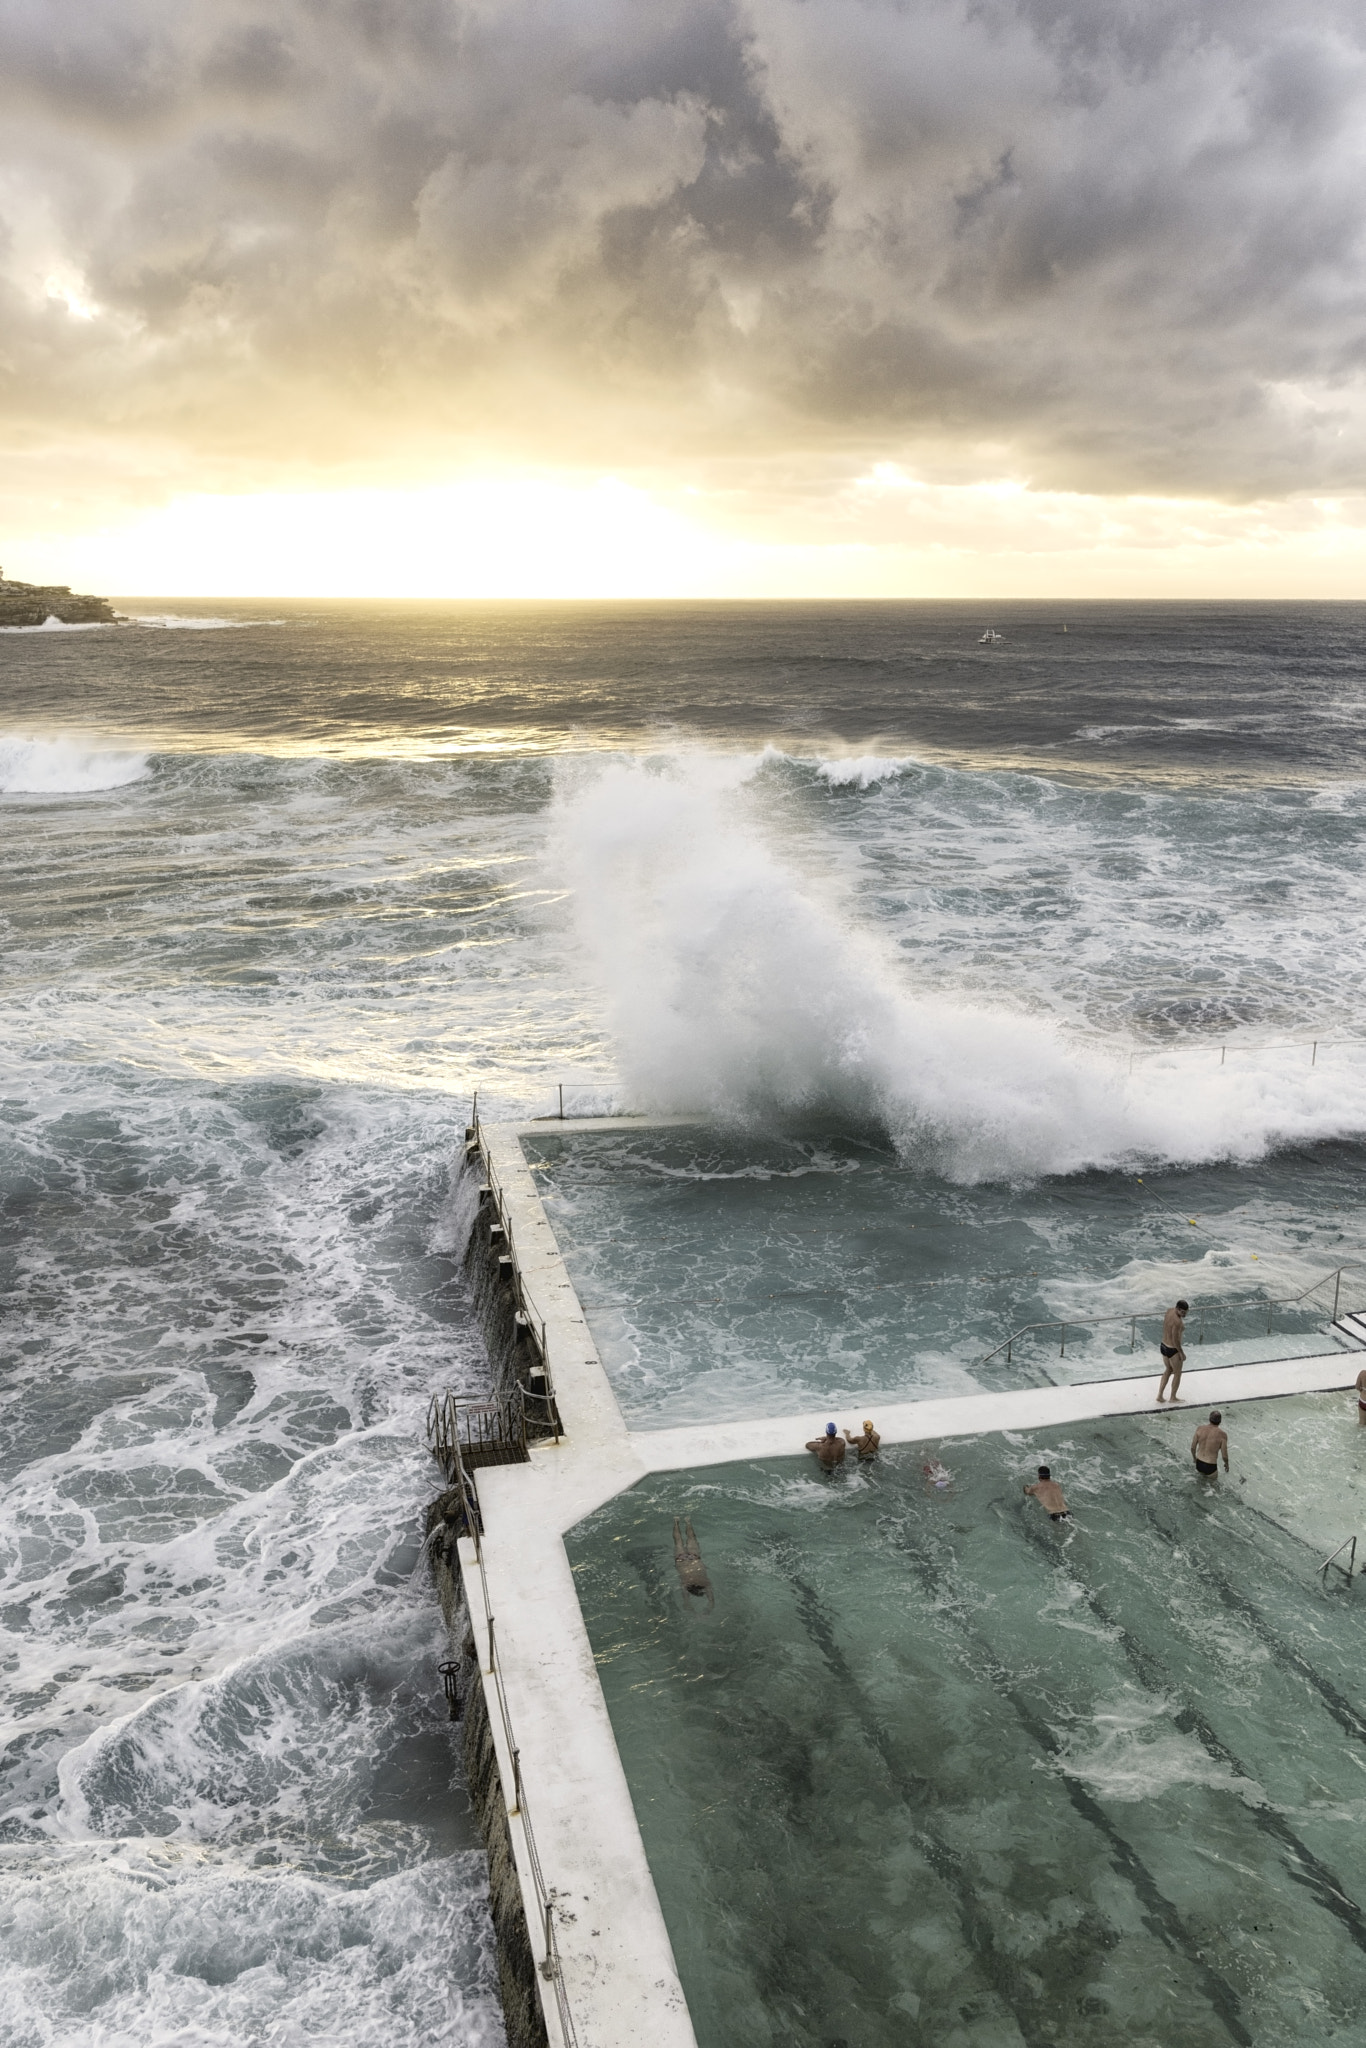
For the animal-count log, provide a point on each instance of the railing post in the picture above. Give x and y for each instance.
(1314, 1060)
(1133, 1332)
(1337, 1289)
(516, 1781)
(562, 1102)
(490, 1669)
(1062, 1347)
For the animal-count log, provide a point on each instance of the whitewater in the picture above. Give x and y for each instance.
(280, 893)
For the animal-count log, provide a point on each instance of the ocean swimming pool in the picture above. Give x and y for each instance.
(726, 1274)
(936, 1770)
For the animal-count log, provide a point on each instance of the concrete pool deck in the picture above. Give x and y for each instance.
(619, 1976)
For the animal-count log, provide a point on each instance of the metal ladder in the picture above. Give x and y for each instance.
(1347, 1543)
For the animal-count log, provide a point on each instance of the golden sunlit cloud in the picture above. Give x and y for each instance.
(918, 298)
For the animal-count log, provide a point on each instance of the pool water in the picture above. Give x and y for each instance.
(939, 1771)
(726, 1273)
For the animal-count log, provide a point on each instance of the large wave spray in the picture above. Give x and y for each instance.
(738, 985)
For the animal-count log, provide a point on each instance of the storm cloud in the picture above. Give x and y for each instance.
(1112, 248)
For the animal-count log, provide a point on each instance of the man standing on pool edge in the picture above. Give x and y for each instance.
(1209, 1440)
(1172, 1347)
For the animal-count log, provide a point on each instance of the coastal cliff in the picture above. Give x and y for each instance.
(32, 604)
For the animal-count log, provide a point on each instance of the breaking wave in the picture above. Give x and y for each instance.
(52, 624)
(63, 767)
(179, 622)
(737, 985)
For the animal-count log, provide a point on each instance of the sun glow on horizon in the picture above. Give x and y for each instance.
(884, 533)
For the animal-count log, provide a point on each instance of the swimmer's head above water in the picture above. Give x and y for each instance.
(1045, 1472)
(867, 1429)
(830, 1429)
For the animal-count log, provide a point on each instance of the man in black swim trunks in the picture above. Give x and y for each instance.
(1207, 1443)
(1173, 1348)
(1048, 1494)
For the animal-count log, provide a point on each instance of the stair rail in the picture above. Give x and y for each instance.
(1347, 1569)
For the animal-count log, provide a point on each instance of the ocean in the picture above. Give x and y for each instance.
(285, 884)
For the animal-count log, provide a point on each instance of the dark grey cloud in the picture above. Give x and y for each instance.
(1116, 247)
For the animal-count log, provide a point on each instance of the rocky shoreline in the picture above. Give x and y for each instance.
(33, 604)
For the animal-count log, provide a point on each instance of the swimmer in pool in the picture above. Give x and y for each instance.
(1048, 1494)
(938, 1475)
(1361, 1395)
(829, 1449)
(692, 1573)
(866, 1445)
(1173, 1348)
(1207, 1443)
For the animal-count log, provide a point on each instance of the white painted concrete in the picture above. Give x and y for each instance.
(619, 1973)
(958, 1415)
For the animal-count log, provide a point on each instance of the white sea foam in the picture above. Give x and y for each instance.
(737, 983)
(64, 767)
(52, 624)
(184, 622)
(866, 771)
(1130, 1751)
(231, 1783)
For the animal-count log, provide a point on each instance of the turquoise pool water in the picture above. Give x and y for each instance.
(937, 1772)
(726, 1274)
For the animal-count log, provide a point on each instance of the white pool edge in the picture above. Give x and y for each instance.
(620, 1979)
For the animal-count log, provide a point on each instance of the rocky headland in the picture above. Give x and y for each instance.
(33, 604)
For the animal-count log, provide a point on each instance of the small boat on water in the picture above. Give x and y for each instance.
(990, 638)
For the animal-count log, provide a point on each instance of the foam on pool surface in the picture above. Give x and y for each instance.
(936, 1770)
(725, 1275)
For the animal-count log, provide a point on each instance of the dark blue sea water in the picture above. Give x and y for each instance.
(281, 885)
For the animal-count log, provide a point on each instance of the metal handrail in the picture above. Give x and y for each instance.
(1351, 1564)
(520, 1293)
(1226, 1046)
(1063, 1324)
(551, 1968)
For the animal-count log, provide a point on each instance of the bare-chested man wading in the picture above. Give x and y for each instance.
(1173, 1347)
(1048, 1494)
(692, 1573)
(1207, 1444)
(829, 1449)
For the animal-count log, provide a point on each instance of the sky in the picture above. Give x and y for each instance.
(765, 297)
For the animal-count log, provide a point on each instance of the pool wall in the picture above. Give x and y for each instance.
(618, 1975)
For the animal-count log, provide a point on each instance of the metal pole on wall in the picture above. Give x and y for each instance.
(562, 1102)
